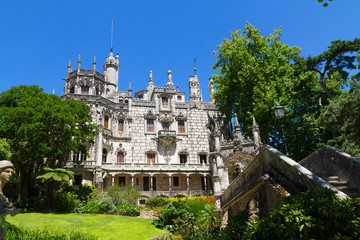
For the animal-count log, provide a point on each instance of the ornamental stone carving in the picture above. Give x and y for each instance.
(166, 117)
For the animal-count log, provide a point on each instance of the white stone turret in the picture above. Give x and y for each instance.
(150, 86)
(79, 63)
(111, 72)
(94, 64)
(69, 67)
(211, 90)
(194, 87)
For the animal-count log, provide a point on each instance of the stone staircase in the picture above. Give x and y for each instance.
(341, 185)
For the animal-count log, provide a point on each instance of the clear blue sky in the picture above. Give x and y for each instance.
(37, 38)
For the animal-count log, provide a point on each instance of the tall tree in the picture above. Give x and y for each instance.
(332, 66)
(41, 129)
(54, 177)
(255, 73)
(342, 121)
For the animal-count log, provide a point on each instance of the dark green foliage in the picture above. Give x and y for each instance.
(157, 202)
(123, 195)
(34, 203)
(325, 2)
(65, 201)
(236, 226)
(38, 234)
(174, 215)
(4, 150)
(80, 199)
(315, 214)
(106, 205)
(37, 125)
(129, 210)
(341, 119)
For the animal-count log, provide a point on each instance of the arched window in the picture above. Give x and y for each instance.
(165, 101)
(106, 122)
(120, 157)
(96, 91)
(104, 155)
(72, 90)
(121, 125)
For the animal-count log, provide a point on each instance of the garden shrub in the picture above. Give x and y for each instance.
(174, 215)
(65, 201)
(123, 195)
(91, 206)
(37, 203)
(106, 204)
(315, 214)
(236, 226)
(157, 202)
(129, 210)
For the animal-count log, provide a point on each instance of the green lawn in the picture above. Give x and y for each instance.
(101, 225)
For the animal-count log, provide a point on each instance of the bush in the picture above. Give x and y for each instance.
(65, 201)
(91, 206)
(123, 195)
(129, 210)
(317, 214)
(174, 215)
(157, 202)
(37, 203)
(106, 204)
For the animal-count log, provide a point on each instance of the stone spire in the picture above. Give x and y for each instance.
(237, 135)
(94, 64)
(211, 90)
(151, 77)
(256, 133)
(130, 90)
(69, 67)
(79, 63)
(117, 59)
(170, 83)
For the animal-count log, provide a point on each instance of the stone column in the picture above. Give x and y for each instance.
(112, 179)
(187, 184)
(99, 147)
(151, 183)
(132, 180)
(205, 182)
(170, 187)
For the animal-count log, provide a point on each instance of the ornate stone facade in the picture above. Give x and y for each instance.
(156, 141)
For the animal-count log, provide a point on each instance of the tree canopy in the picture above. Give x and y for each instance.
(341, 119)
(41, 128)
(257, 72)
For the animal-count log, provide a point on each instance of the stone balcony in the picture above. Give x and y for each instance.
(167, 137)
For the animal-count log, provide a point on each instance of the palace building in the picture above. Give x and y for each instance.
(155, 139)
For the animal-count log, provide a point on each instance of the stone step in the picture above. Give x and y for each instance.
(338, 183)
(332, 178)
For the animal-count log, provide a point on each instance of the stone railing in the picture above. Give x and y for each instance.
(294, 177)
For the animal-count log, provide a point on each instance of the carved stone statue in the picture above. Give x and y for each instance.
(6, 207)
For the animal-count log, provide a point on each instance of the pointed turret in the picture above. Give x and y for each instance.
(170, 82)
(130, 89)
(69, 67)
(194, 87)
(256, 133)
(79, 63)
(111, 72)
(151, 77)
(237, 134)
(211, 90)
(94, 64)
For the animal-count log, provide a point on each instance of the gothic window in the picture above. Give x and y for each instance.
(120, 157)
(104, 155)
(203, 158)
(121, 125)
(106, 122)
(235, 173)
(165, 102)
(121, 101)
(176, 181)
(84, 90)
(165, 126)
(81, 155)
(181, 126)
(72, 90)
(183, 158)
(150, 158)
(97, 91)
(150, 125)
(179, 98)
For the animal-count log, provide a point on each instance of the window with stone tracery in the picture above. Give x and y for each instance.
(84, 90)
(150, 125)
(121, 125)
(165, 126)
(104, 155)
(106, 122)
(150, 158)
(181, 126)
(165, 102)
(72, 90)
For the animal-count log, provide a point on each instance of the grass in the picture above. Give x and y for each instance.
(106, 227)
